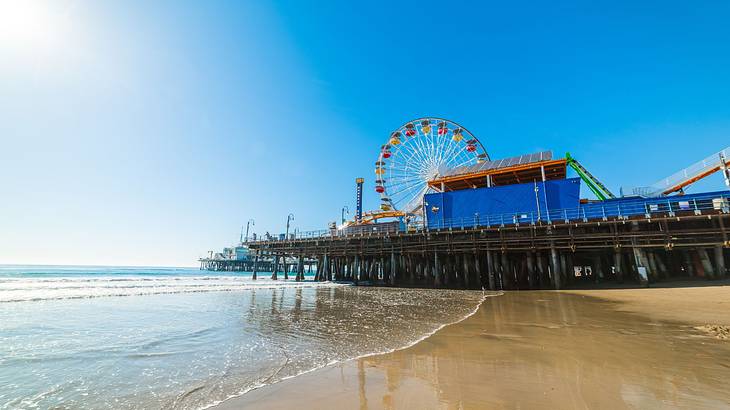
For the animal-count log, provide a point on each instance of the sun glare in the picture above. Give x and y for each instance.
(26, 25)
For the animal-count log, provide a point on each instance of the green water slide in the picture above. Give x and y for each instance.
(593, 183)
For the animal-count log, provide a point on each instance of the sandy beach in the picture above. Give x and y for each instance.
(598, 349)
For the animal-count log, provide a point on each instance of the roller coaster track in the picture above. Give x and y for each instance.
(599, 190)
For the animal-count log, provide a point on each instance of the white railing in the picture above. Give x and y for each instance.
(677, 179)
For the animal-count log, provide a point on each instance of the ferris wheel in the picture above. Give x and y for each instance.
(417, 152)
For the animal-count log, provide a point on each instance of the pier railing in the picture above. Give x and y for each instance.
(622, 208)
(604, 210)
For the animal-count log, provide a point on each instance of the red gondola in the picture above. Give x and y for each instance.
(471, 148)
(379, 189)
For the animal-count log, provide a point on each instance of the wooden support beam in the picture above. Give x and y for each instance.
(556, 268)
(491, 271)
(507, 274)
(467, 271)
(720, 270)
(478, 270)
(618, 264)
(436, 270)
(393, 268)
(274, 274)
(300, 268)
(531, 272)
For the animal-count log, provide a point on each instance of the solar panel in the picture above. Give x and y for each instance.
(500, 163)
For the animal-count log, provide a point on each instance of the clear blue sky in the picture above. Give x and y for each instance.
(146, 133)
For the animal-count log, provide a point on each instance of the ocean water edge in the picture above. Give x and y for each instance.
(133, 338)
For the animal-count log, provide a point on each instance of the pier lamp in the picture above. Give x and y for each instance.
(345, 209)
(250, 223)
(289, 218)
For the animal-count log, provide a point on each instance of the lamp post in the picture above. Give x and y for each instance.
(248, 225)
(289, 218)
(345, 209)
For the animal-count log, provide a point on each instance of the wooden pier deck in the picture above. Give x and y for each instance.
(522, 256)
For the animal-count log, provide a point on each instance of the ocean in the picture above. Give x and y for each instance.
(140, 338)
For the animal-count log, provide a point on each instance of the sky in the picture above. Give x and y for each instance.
(147, 133)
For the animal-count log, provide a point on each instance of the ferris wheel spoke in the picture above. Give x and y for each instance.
(458, 156)
(421, 148)
(406, 170)
(411, 172)
(445, 142)
(406, 199)
(409, 167)
(414, 202)
(453, 151)
(430, 150)
(392, 187)
(410, 153)
(418, 155)
(440, 150)
(400, 179)
(402, 182)
(415, 154)
(395, 186)
(450, 148)
(406, 188)
(466, 156)
(430, 145)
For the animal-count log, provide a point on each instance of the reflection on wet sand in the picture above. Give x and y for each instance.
(528, 350)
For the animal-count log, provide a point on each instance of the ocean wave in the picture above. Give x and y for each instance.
(34, 290)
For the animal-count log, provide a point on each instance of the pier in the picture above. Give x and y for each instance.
(453, 217)
(255, 264)
(564, 253)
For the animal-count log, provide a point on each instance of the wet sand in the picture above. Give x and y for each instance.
(597, 349)
(689, 302)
